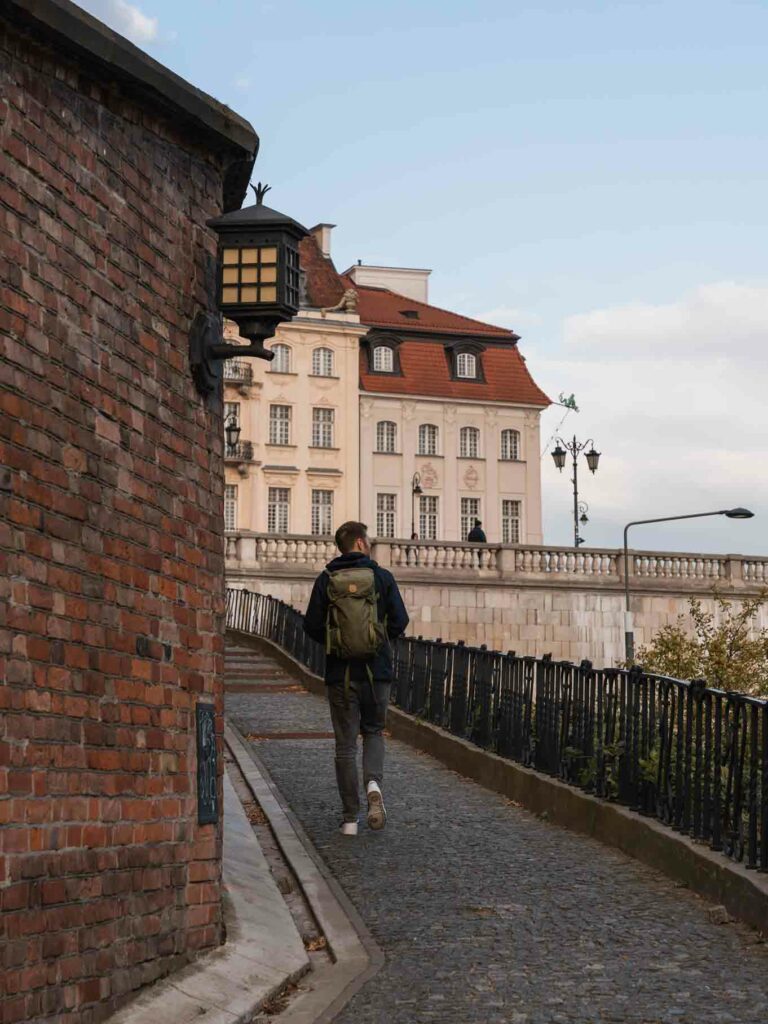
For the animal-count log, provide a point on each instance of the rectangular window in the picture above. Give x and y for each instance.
(230, 506)
(428, 526)
(470, 511)
(322, 513)
(386, 511)
(278, 506)
(322, 428)
(279, 424)
(510, 522)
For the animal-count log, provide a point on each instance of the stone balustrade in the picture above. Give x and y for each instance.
(246, 551)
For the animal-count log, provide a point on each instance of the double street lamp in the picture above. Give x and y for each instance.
(629, 635)
(559, 455)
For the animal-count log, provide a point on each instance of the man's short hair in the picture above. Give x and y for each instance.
(348, 533)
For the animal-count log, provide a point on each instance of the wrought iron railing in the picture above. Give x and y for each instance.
(238, 371)
(240, 452)
(693, 757)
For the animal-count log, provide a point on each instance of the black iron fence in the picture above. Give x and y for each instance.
(693, 757)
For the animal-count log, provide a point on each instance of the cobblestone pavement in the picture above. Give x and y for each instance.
(487, 914)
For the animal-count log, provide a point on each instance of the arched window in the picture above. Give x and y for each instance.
(428, 436)
(469, 442)
(282, 361)
(386, 436)
(383, 359)
(510, 445)
(466, 365)
(322, 362)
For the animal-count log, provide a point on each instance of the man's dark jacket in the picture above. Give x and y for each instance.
(477, 535)
(391, 609)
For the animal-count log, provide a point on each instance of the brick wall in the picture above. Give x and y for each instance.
(111, 561)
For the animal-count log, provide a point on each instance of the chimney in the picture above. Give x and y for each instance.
(411, 282)
(322, 236)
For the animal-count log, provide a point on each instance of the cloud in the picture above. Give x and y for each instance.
(243, 82)
(510, 316)
(675, 398)
(726, 318)
(127, 19)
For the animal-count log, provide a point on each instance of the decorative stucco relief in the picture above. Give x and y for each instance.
(471, 478)
(429, 476)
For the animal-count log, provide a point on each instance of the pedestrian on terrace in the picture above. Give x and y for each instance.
(477, 534)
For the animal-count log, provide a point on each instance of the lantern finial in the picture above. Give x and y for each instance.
(260, 191)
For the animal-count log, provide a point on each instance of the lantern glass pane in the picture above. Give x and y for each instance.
(268, 275)
(250, 293)
(268, 294)
(249, 256)
(229, 295)
(231, 256)
(249, 275)
(269, 255)
(229, 275)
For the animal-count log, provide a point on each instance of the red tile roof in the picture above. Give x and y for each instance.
(424, 364)
(426, 371)
(324, 285)
(379, 307)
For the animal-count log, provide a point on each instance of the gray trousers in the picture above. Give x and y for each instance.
(360, 714)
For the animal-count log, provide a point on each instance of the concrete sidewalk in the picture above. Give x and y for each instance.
(487, 914)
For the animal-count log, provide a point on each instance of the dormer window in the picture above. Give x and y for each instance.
(466, 365)
(383, 359)
(411, 314)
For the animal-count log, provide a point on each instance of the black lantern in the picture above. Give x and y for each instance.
(592, 458)
(232, 432)
(257, 286)
(559, 456)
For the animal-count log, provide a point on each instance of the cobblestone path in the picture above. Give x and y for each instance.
(487, 914)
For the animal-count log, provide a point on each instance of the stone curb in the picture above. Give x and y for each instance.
(355, 953)
(263, 953)
(743, 893)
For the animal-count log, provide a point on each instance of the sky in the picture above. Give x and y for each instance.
(592, 175)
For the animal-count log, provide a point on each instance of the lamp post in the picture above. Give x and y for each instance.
(257, 286)
(629, 635)
(415, 489)
(232, 433)
(593, 457)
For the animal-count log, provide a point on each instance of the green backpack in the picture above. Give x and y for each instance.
(352, 627)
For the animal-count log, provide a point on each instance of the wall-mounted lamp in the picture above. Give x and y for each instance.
(232, 432)
(257, 286)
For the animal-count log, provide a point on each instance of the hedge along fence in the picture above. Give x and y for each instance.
(693, 757)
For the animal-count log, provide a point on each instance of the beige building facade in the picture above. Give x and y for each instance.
(295, 469)
(470, 461)
(381, 407)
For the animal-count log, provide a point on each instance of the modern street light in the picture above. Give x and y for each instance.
(415, 489)
(559, 455)
(629, 635)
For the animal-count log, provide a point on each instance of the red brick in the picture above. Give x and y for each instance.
(112, 534)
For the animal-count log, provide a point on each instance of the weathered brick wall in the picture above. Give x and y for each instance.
(111, 561)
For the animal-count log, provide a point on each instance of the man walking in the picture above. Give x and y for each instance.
(356, 611)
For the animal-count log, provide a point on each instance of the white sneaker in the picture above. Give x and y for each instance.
(377, 815)
(348, 828)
